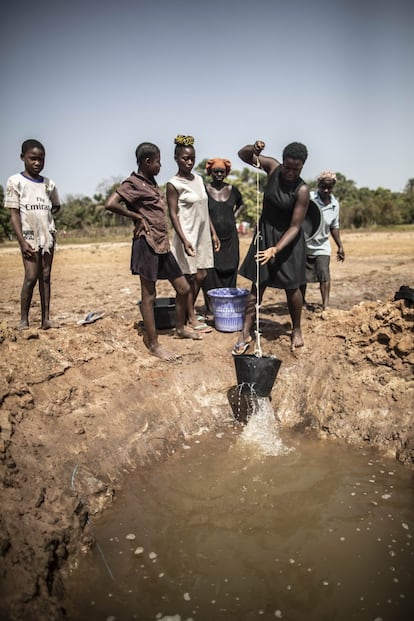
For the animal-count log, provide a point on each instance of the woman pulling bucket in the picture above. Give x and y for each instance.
(279, 244)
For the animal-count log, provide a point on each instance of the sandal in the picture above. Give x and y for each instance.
(91, 318)
(241, 347)
(203, 327)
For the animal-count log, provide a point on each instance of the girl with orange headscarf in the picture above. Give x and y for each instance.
(224, 204)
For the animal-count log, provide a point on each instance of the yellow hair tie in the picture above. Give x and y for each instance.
(187, 141)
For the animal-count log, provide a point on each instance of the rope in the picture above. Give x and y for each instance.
(258, 348)
(72, 484)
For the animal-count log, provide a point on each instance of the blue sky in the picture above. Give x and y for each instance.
(93, 80)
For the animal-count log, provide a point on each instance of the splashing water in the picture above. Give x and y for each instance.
(262, 428)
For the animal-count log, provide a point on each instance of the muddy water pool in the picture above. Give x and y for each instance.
(246, 524)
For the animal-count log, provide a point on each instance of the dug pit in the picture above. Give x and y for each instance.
(90, 397)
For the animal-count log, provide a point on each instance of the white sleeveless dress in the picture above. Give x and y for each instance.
(194, 219)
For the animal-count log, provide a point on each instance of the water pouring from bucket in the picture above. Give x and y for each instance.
(261, 433)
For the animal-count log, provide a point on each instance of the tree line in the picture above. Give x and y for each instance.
(360, 207)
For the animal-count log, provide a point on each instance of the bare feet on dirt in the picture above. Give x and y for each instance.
(163, 354)
(296, 340)
(49, 324)
(188, 333)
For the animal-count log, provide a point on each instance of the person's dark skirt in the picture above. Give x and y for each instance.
(286, 270)
(218, 280)
(152, 266)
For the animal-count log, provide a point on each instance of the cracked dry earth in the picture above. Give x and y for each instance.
(90, 399)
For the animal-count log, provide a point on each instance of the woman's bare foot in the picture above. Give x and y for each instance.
(48, 324)
(296, 339)
(23, 324)
(161, 353)
(188, 333)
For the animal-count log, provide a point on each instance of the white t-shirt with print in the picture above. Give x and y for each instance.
(34, 200)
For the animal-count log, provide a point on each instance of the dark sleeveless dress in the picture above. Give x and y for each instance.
(226, 261)
(287, 269)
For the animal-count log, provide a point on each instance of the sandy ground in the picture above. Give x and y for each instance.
(81, 406)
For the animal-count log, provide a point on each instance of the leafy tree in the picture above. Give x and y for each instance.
(82, 212)
(6, 228)
(407, 203)
(409, 188)
(360, 207)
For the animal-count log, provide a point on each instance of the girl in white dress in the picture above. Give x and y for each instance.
(194, 237)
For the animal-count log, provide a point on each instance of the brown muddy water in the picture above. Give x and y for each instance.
(246, 524)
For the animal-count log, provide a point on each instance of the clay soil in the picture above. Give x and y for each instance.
(84, 405)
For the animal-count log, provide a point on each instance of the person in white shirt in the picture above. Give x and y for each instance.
(32, 200)
(318, 247)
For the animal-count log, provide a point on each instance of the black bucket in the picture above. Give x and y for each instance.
(164, 313)
(312, 221)
(256, 374)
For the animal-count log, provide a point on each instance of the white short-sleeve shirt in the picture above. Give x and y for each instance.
(319, 244)
(34, 200)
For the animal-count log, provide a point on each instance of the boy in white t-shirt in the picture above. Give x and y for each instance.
(32, 200)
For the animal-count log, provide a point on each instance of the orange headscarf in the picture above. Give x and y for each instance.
(218, 162)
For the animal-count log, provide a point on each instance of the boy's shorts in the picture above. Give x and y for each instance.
(150, 265)
(317, 268)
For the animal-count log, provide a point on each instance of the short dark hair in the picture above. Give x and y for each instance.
(146, 149)
(32, 143)
(295, 151)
